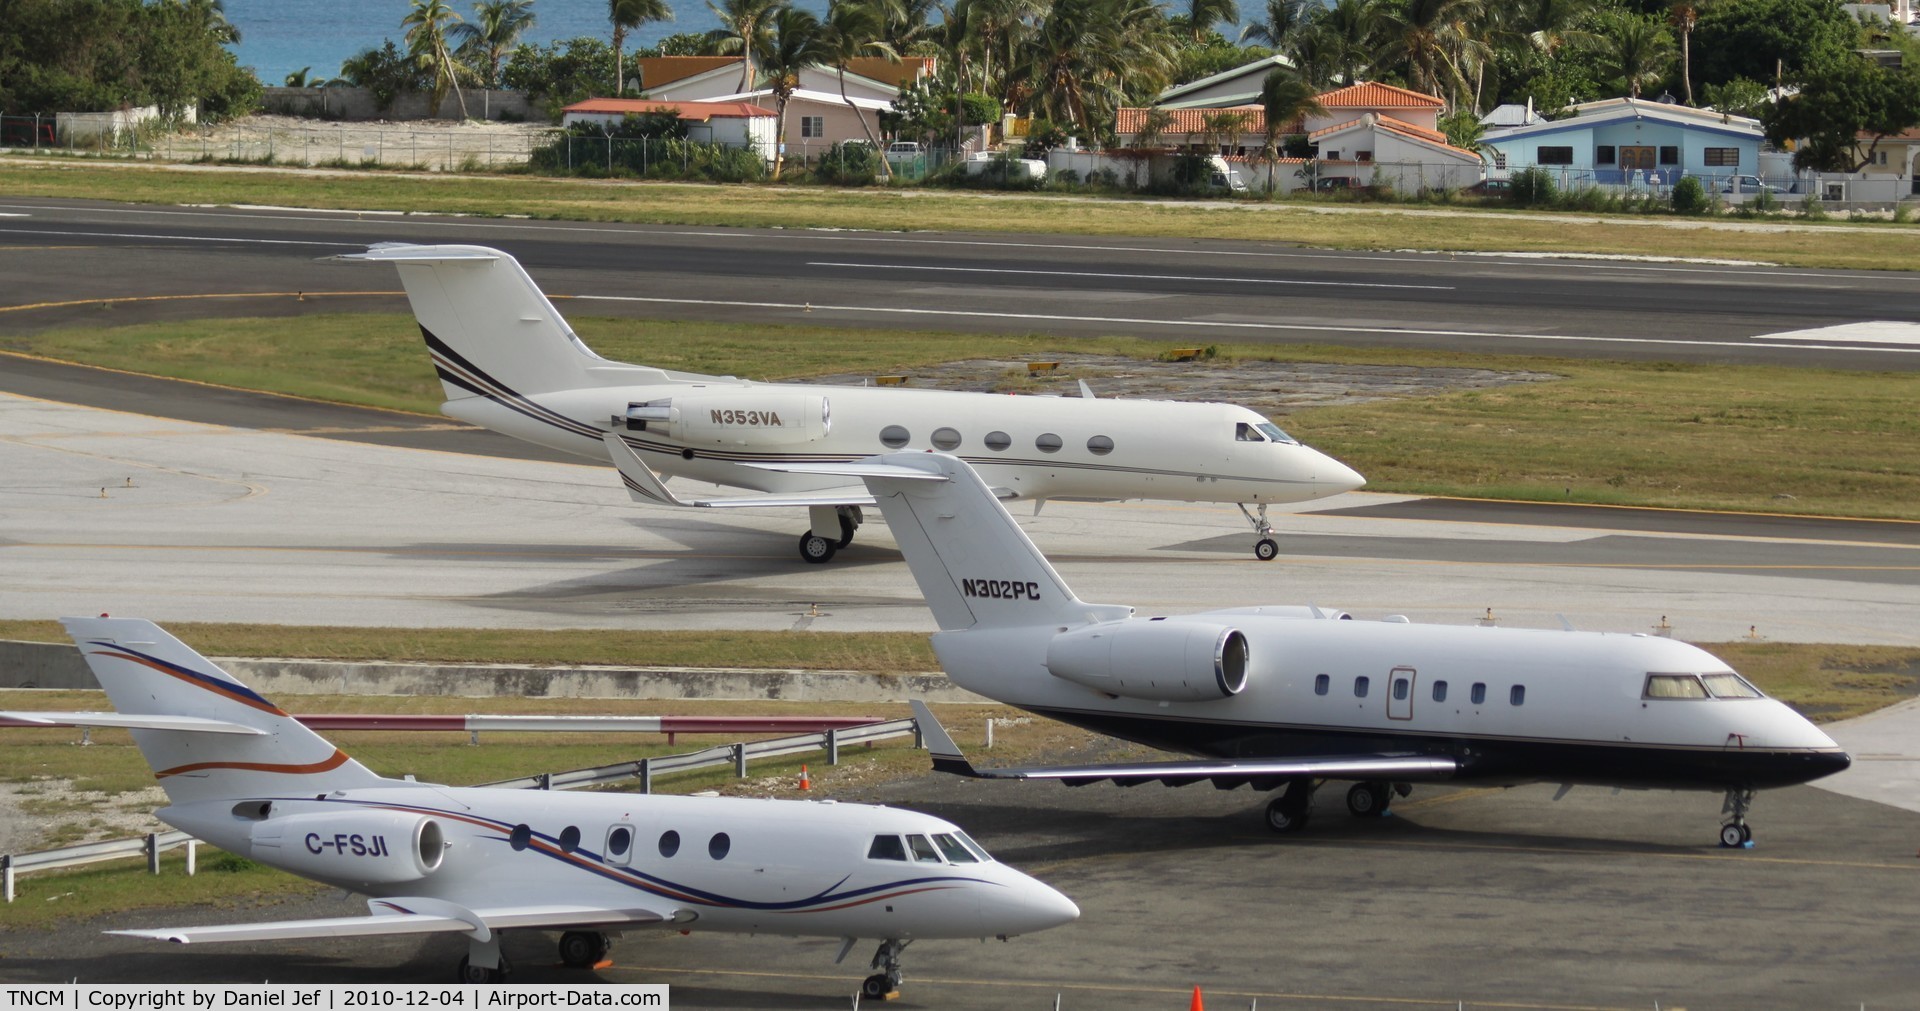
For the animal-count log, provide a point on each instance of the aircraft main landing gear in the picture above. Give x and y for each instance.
(887, 980)
(583, 949)
(1369, 800)
(1737, 833)
(484, 963)
(1266, 548)
(817, 548)
(1290, 811)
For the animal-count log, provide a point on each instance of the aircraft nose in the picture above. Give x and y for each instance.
(1039, 907)
(1335, 476)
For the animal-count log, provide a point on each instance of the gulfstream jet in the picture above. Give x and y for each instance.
(244, 776)
(1284, 697)
(510, 363)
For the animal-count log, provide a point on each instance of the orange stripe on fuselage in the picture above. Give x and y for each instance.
(216, 689)
(336, 760)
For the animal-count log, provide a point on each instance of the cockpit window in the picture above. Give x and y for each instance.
(1728, 685)
(886, 847)
(923, 850)
(1675, 686)
(1243, 432)
(956, 853)
(1273, 432)
(973, 847)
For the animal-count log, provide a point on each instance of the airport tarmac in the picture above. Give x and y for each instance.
(190, 521)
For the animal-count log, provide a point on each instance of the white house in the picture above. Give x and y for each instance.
(734, 124)
(1398, 154)
(817, 117)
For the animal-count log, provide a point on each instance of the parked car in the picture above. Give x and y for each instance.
(1752, 184)
(1490, 188)
(904, 150)
(1329, 184)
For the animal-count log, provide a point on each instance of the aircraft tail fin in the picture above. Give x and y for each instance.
(206, 735)
(974, 564)
(490, 329)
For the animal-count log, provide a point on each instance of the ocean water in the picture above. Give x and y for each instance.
(278, 37)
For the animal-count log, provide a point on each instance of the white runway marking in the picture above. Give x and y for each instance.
(183, 238)
(1130, 277)
(1865, 332)
(1223, 325)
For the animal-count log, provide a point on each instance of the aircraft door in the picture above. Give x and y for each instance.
(1400, 693)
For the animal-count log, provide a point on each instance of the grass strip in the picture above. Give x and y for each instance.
(1749, 438)
(1309, 221)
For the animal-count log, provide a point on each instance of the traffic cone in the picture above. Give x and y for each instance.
(805, 783)
(1198, 1004)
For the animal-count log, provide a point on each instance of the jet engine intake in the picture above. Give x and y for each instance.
(1166, 661)
(362, 847)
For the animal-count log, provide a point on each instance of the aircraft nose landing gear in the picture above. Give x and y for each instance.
(886, 982)
(1266, 548)
(1736, 833)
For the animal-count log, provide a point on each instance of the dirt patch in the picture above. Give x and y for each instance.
(48, 813)
(1270, 387)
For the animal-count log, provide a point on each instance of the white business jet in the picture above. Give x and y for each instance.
(510, 363)
(244, 776)
(1287, 696)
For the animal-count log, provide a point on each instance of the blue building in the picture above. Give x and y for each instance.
(1631, 142)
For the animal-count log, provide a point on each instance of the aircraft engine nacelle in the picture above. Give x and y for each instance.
(370, 847)
(744, 418)
(1166, 661)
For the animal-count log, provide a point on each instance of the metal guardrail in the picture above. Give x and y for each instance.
(736, 755)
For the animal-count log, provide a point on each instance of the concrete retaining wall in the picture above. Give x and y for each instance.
(358, 103)
(58, 665)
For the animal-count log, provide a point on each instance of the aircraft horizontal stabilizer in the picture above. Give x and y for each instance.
(1265, 773)
(645, 486)
(407, 252)
(393, 916)
(192, 724)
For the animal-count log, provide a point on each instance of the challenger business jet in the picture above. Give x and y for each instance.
(510, 363)
(1288, 696)
(244, 776)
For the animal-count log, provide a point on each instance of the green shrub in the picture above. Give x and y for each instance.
(1689, 197)
(1813, 209)
(1531, 187)
(850, 163)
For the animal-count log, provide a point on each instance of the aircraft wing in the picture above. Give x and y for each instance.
(144, 722)
(1223, 773)
(410, 916)
(645, 486)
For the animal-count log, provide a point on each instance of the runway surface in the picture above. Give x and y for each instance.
(182, 520)
(64, 257)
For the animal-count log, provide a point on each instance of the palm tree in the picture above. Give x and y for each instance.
(745, 28)
(1345, 36)
(1685, 15)
(858, 28)
(631, 14)
(1202, 15)
(1285, 19)
(1088, 56)
(1284, 97)
(427, 25)
(795, 41)
(495, 29)
(1637, 52)
(1433, 44)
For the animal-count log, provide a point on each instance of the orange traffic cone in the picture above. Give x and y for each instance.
(1198, 1004)
(805, 783)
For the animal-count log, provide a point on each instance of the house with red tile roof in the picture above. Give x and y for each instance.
(817, 115)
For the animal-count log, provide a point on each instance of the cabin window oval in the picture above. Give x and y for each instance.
(894, 436)
(1439, 691)
(520, 838)
(1479, 693)
(569, 839)
(619, 840)
(1099, 445)
(1048, 443)
(998, 441)
(946, 439)
(1321, 684)
(719, 846)
(1360, 687)
(669, 843)
(1518, 695)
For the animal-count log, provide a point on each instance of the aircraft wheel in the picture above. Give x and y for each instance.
(1732, 835)
(846, 532)
(477, 974)
(581, 949)
(1266, 549)
(1368, 800)
(817, 550)
(1290, 811)
(876, 986)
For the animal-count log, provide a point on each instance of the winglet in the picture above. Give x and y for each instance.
(642, 483)
(946, 754)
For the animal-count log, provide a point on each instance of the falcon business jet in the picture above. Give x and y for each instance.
(244, 776)
(510, 363)
(1287, 696)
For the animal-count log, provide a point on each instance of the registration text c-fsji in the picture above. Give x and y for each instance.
(327, 997)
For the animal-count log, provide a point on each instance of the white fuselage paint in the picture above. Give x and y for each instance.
(788, 867)
(1161, 449)
(1583, 717)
